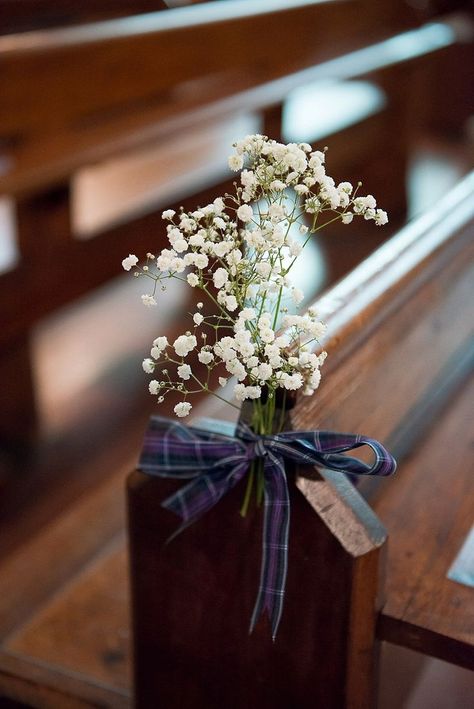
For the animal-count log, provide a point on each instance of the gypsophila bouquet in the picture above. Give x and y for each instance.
(239, 252)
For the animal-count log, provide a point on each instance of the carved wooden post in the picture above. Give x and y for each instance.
(192, 600)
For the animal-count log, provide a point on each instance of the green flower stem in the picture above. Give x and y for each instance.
(248, 492)
(205, 387)
(312, 231)
(282, 414)
(263, 423)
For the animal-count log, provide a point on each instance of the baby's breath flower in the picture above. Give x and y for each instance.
(239, 392)
(129, 262)
(148, 300)
(187, 223)
(276, 212)
(231, 303)
(267, 334)
(245, 213)
(361, 204)
(148, 366)
(184, 371)
(192, 279)
(180, 245)
(345, 187)
(218, 205)
(205, 356)
(239, 250)
(161, 342)
(154, 387)
(184, 344)
(265, 371)
(219, 223)
(301, 189)
(236, 162)
(220, 277)
(292, 381)
(277, 185)
(201, 261)
(182, 409)
(247, 314)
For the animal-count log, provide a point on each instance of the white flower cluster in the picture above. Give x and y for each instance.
(239, 251)
(276, 167)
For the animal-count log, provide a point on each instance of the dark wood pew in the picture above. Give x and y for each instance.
(237, 63)
(398, 340)
(27, 15)
(46, 141)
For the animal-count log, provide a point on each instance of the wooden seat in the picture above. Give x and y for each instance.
(428, 512)
(398, 343)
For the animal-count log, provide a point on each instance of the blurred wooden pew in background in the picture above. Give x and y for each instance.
(30, 15)
(76, 97)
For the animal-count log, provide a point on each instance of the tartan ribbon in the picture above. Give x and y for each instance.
(214, 464)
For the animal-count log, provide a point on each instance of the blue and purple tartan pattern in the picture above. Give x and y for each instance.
(214, 464)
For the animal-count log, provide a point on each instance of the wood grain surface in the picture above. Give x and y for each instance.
(429, 512)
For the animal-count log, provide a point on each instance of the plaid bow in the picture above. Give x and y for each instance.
(215, 463)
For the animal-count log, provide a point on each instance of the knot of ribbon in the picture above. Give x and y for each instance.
(214, 464)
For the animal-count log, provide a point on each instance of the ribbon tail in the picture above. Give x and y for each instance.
(276, 524)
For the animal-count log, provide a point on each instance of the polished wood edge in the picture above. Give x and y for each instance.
(420, 419)
(414, 637)
(424, 415)
(151, 23)
(382, 282)
(363, 648)
(24, 677)
(381, 56)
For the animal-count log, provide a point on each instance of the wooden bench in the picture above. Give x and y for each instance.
(46, 142)
(398, 341)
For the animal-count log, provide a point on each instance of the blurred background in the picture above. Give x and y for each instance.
(112, 111)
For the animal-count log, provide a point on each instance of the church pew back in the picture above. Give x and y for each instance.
(44, 140)
(30, 15)
(301, 33)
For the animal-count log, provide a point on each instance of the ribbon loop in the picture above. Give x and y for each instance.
(215, 463)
